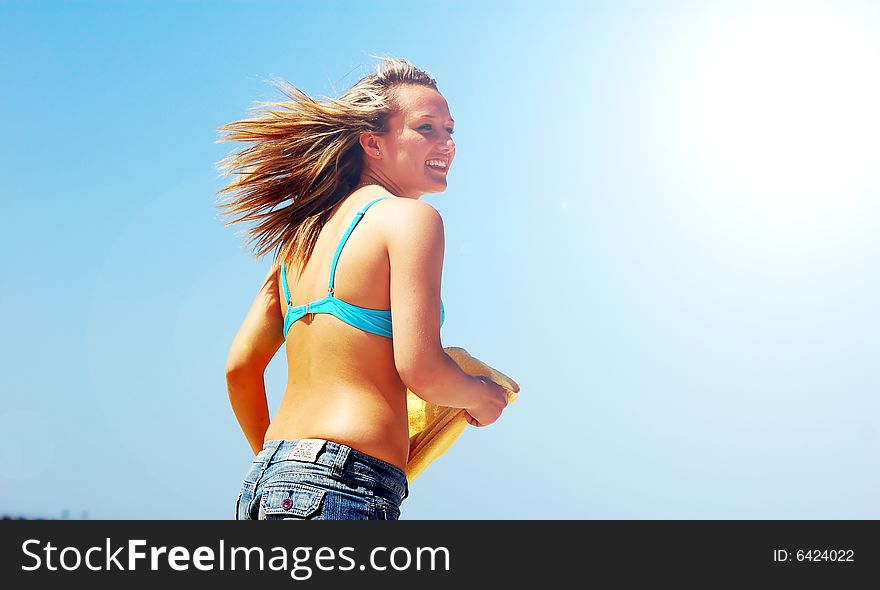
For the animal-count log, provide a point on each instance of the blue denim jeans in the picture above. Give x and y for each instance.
(318, 479)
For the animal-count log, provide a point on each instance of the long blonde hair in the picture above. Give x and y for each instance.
(306, 158)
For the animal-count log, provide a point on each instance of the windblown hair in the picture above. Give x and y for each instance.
(306, 158)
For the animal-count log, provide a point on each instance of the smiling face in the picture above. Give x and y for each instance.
(417, 150)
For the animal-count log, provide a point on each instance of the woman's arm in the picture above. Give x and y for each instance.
(254, 346)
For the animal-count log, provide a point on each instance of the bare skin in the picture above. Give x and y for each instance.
(342, 383)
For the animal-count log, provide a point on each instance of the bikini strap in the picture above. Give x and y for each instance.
(284, 284)
(358, 216)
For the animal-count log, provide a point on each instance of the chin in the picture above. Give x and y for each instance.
(434, 189)
(438, 185)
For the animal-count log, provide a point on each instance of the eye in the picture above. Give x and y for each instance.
(428, 125)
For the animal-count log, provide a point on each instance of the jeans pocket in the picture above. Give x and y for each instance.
(296, 501)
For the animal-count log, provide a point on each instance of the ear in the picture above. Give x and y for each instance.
(370, 144)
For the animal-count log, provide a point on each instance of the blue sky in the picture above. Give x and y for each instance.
(662, 222)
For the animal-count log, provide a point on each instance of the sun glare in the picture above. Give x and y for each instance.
(788, 108)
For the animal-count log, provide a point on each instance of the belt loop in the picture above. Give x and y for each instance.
(341, 458)
(277, 445)
(265, 464)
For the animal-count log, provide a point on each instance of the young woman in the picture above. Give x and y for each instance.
(335, 187)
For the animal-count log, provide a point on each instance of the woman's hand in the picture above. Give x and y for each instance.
(470, 419)
(490, 407)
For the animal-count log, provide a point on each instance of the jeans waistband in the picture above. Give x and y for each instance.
(340, 458)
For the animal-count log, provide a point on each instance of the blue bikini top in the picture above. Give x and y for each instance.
(375, 321)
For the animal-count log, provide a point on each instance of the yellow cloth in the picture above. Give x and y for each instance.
(433, 428)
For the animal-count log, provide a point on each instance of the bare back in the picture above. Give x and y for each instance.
(342, 382)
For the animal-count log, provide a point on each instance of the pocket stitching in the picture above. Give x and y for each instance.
(272, 508)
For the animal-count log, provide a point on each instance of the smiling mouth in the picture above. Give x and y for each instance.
(435, 168)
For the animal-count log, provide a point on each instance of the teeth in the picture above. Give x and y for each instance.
(438, 163)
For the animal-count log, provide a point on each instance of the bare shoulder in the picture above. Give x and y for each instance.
(405, 218)
(405, 206)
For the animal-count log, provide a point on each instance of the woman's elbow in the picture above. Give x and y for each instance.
(237, 370)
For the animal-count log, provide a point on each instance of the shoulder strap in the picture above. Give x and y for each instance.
(358, 216)
(284, 284)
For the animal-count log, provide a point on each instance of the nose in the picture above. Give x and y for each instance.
(449, 145)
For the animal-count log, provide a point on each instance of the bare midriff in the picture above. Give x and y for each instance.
(342, 382)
